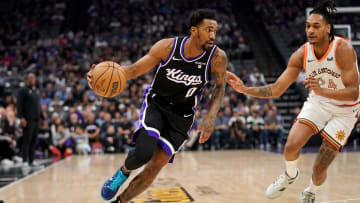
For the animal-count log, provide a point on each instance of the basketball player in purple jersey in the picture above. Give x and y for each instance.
(185, 66)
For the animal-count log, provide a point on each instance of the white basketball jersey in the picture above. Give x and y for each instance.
(326, 70)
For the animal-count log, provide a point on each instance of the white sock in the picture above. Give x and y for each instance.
(312, 187)
(291, 168)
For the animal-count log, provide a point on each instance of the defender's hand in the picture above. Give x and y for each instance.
(206, 127)
(235, 82)
(313, 84)
(89, 75)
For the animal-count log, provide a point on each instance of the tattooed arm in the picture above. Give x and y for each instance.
(275, 89)
(218, 67)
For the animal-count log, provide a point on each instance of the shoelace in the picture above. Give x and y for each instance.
(279, 180)
(116, 182)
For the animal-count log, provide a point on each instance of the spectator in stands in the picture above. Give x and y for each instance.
(62, 93)
(73, 122)
(62, 141)
(110, 139)
(227, 113)
(125, 129)
(242, 109)
(69, 101)
(92, 129)
(45, 142)
(273, 128)
(7, 142)
(81, 141)
(44, 99)
(220, 136)
(255, 124)
(239, 135)
(257, 78)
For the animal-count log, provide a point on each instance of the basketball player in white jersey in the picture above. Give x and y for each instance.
(332, 107)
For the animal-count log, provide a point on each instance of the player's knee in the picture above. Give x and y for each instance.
(144, 155)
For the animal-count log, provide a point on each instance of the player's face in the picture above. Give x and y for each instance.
(206, 33)
(317, 30)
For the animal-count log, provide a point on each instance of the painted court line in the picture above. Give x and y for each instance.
(29, 176)
(342, 201)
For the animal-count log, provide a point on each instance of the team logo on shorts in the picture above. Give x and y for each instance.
(340, 135)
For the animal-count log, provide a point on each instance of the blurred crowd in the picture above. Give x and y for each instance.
(58, 44)
(289, 17)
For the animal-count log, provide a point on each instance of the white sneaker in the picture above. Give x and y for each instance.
(280, 184)
(307, 197)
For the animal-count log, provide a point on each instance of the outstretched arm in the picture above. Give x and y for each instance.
(275, 89)
(218, 67)
(158, 52)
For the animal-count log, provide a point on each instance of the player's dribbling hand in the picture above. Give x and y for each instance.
(206, 127)
(313, 85)
(235, 82)
(89, 75)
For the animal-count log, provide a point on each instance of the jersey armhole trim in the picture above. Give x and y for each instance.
(305, 55)
(208, 65)
(336, 45)
(171, 53)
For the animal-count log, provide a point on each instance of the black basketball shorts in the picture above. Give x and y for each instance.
(170, 129)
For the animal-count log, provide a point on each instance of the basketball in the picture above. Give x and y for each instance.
(108, 79)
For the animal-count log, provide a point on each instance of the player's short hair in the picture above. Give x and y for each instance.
(199, 15)
(326, 8)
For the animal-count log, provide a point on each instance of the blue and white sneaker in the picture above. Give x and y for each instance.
(112, 185)
(307, 197)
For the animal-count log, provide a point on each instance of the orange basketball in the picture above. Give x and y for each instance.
(108, 79)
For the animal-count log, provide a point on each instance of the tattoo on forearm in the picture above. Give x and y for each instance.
(217, 98)
(265, 91)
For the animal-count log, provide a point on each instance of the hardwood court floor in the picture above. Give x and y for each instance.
(212, 176)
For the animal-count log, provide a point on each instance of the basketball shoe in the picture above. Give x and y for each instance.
(112, 185)
(307, 197)
(280, 184)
